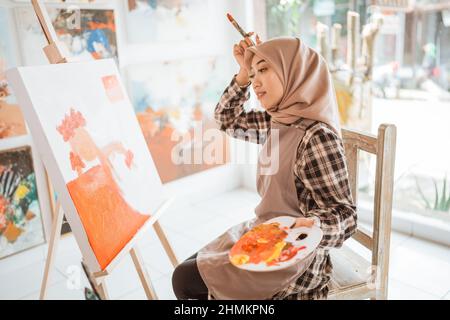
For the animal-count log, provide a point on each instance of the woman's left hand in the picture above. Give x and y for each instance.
(304, 222)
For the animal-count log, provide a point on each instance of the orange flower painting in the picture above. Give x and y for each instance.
(96, 156)
(109, 220)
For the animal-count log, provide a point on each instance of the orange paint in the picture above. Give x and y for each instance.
(260, 243)
(109, 222)
(160, 143)
(92, 25)
(71, 122)
(82, 144)
(12, 232)
(113, 89)
(264, 243)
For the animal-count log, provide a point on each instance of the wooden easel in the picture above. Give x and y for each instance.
(57, 53)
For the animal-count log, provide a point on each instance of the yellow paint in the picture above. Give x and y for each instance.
(239, 259)
(276, 253)
(21, 192)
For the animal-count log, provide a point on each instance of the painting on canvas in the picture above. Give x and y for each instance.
(12, 123)
(167, 20)
(21, 224)
(91, 37)
(180, 104)
(90, 139)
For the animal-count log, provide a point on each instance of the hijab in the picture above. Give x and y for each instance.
(308, 88)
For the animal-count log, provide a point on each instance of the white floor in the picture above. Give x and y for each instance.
(419, 269)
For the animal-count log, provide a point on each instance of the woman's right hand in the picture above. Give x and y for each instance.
(242, 77)
(239, 50)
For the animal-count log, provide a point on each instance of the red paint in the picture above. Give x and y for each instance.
(113, 89)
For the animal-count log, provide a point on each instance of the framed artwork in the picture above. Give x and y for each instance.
(94, 38)
(175, 21)
(176, 113)
(87, 133)
(21, 223)
(12, 123)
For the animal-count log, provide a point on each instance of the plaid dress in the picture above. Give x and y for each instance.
(321, 178)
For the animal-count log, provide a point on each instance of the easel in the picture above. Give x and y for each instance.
(57, 53)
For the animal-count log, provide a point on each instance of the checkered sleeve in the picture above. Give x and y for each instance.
(232, 118)
(323, 171)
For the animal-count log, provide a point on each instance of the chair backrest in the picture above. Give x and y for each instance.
(383, 146)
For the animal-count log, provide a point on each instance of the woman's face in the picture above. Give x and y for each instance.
(265, 82)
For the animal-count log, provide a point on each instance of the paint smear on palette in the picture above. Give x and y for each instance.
(108, 218)
(113, 89)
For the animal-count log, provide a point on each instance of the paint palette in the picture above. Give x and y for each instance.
(274, 245)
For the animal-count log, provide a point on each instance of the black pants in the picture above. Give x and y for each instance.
(187, 282)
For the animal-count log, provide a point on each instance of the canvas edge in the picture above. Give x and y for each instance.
(139, 234)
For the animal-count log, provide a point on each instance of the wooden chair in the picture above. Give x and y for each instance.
(353, 276)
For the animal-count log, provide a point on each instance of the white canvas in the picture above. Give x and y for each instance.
(90, 141)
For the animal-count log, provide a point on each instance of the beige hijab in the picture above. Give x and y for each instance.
(308, 89)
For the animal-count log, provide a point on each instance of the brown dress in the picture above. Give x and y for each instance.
(276, 186)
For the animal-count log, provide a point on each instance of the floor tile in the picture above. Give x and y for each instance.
(62, 291)
(138, 294)
(22, 259)
(428, 248)
(419, 265)
(447, 296)
(208, 231)
(125, 278)
(156, 257)
(24, 281)
(401, 291)
(163, 287)
(418, 270)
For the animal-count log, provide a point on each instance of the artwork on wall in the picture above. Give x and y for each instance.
(180, 104)
(12, 123)
(95, 39)
(21, 224)
(168, 20)
(94, 152)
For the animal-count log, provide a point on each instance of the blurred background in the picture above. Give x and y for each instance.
(405, 81)
(390, 61)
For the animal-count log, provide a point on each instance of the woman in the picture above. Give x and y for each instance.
(309, 179)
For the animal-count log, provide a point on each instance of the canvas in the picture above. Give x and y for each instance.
(180, 104)
(95, 39)
(97, 159)
(12, 123)
(21, 224)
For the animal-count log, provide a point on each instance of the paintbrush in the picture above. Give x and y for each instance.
(238, 28)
